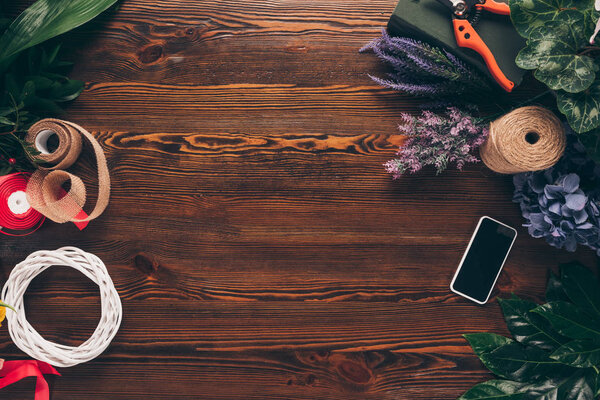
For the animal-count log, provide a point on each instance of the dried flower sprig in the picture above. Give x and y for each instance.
(424, 70)
(438, 140)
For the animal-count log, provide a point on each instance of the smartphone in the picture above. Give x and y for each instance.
(482, 262)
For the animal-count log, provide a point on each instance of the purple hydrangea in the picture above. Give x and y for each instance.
(561, 203)
(438, 140)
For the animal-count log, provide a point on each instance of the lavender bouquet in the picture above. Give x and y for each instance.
(438, 139)
(561, 203)
(424, 70)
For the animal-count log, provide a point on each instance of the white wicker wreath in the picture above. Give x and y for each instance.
(28, 339)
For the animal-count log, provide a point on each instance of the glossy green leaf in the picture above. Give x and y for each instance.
(569, 321)
(527, 327)
(483, 343)
(46, 19)
(581, 285)
(578, 353)
(516, 362)
(496, 390)
(554, 289)
(575, 387)
(581, 109)
(527, 15)
(553, 51)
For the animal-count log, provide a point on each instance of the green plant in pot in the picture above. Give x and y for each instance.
(555, 350)
(559, 51)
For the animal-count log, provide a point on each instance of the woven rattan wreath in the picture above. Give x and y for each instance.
(29, 340)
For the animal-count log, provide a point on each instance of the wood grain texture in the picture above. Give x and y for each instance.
(259, 247)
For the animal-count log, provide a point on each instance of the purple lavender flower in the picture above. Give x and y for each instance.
(561, 203)
(424, 70)
(438, 140)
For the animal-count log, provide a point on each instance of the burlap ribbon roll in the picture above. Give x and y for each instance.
(44, 190)
(526, 139)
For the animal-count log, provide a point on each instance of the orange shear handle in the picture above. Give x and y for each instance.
(467, 37)
(494, 7)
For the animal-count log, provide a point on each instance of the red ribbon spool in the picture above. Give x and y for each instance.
(20, 217)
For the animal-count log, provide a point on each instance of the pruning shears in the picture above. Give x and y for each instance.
(465, 14)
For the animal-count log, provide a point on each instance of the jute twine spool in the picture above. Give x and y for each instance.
(44, 190)
(526, 139)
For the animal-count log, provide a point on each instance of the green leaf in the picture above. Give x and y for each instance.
(581, 285)
(527, 15)
(569, 321)
(591, 142)
(527, 327)
(496, 390)
(46, 19)
(554, 289)
(581, 109)
(483, 343)
(6, 121)
(578, 353)
(575, 387)
(67, 91)
(516, 362)
(553, 51)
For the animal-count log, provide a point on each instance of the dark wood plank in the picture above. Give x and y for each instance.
(259, 247)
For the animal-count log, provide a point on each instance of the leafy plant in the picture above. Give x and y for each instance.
(559, 52)
(555, 350)
(34, 84)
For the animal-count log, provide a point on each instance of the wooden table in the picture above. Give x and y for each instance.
(259, 247)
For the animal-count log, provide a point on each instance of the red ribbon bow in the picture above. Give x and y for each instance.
(14, 371)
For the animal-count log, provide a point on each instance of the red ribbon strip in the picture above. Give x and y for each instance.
(14, 371)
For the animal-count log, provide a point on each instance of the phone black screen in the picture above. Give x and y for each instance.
(484, 260)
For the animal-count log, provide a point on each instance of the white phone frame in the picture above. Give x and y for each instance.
(467, 252)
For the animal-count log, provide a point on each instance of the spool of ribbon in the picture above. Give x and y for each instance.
(14, 371)
(44, 190)
(526, 139)
(17, 217)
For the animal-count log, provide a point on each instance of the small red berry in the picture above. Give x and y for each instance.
(12, 161)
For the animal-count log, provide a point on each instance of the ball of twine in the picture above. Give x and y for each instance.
(526, 139)
(28, 339)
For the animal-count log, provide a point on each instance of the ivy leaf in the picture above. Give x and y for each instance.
(496, 390)
(569, 321)
(581, 109)
(581, 285)
(527, 15)
(579, 354)
(554, 289)
(552, 50)
(527, 327)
